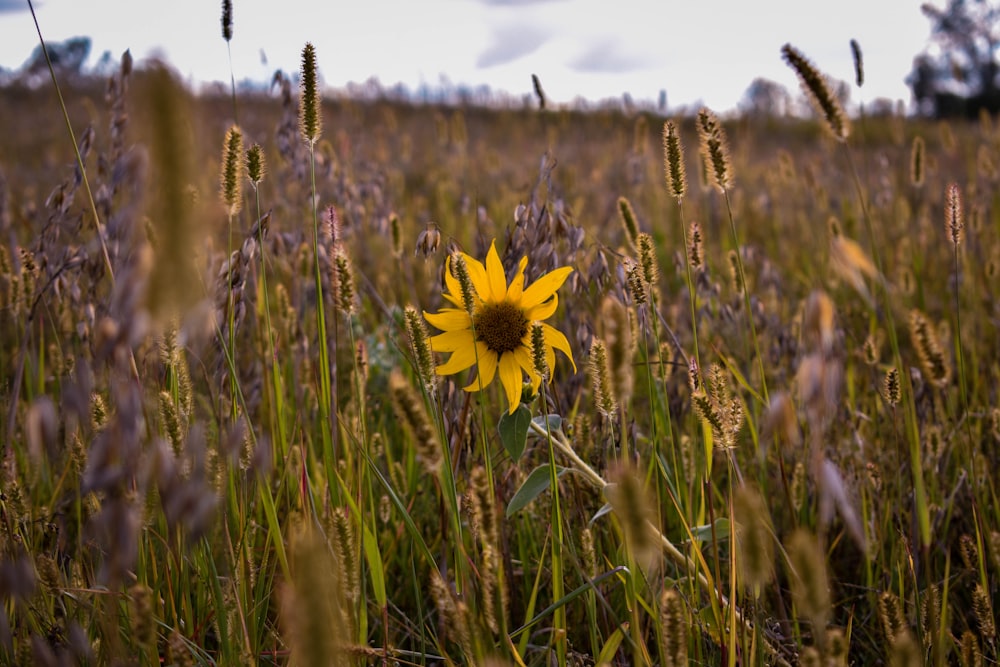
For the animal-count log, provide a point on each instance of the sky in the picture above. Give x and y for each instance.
(701, 52)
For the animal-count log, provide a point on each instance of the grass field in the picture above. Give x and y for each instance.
(765, 383)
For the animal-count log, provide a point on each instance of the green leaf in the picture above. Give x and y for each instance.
(611, 646)
(606, 509)
(554, 421)
(704, 533)
(537, 481)
(514, 431)
(375, 567)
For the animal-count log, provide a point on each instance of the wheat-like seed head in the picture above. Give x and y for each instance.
(984, 614)
(600, 377)
(890, 614)
(817, 88)
(859, 63)
(227, 19)
(714, 149)
(647, 260)
(969, 651)
(256, 166)
(536, 83)
(673, 161)
(891, 387)
(810, 586)
(416, 331)
(460, 270)
(917, 161)
(629, 223)
(954, 221)
(674, 623)
(755, 538)
(695, 249)
(927, 345)
(233, 165)
(310, 116)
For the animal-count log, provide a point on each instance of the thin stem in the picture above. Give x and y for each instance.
(746, 298)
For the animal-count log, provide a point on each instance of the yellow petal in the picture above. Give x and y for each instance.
(450, 341)
(487, 368)
(544, 310)
(461, 359)
(495, 274)
(477, 273)
(449, 319)
(517, 284)
(550, 359)
(451, 282)
(523, 358)
(556, 339)
(510, 377)
(544, 287)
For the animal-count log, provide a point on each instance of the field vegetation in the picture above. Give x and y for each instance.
(769, 405)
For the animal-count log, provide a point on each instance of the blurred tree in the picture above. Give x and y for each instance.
(958, 74)
(67, 58)
(764, 97)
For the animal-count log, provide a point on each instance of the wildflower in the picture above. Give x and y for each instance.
(496, 332)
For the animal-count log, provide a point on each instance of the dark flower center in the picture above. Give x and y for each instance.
(502, 326)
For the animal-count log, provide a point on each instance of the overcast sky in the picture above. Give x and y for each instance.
(698, 51)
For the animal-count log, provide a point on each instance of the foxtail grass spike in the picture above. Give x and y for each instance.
(411, 412)
(859, 63)
(538, 361)
(539, 93)
(460, 270)
(817, 89)
(954, 221)
(232, 171)
(628, 220)
(600, 377)
(917, 162)
(256, 165)
(647, 260)
(755, 535)
(673, 161)
(310, 117)
(891, 387)
(674, 624)
(416, 330)
(343, 280)
(695, 249)
(927, 345)
(810, 586)
(227, 20)
(714, 149)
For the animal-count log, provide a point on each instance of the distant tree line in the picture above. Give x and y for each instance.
(958, 74)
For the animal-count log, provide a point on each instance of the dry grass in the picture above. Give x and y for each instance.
(803, 444)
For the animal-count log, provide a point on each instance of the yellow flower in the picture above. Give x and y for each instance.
(497, 331)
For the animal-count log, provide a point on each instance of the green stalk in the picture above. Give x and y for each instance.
(746, 298)
(560, 629)
(329, 430)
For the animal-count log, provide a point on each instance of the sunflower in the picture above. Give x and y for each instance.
(496, 331)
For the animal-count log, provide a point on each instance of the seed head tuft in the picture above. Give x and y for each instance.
(232, 171)
(954, 221)
(256, 166)
(227, 20)
(714, 149)
(817, 88)
(673, 160)
(310, 121)
(627, 215)
(917, 162)
(859, 63)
